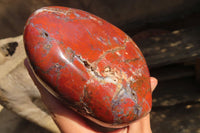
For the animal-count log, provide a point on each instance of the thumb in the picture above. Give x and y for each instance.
(154, 83)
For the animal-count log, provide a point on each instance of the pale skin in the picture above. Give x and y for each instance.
(70, 122)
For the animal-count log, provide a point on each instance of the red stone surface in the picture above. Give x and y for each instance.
(90, 64)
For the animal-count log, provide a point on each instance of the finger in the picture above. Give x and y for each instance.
(143, 124)
(140, 126)
(32, 75)
(66, 119)
(50, 101)
(47, 98)
(154, 83)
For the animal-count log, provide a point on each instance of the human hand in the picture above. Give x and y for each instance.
(69, 121)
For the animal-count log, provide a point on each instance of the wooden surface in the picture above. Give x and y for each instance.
(128, 14)
(197, 68)
(174, 47)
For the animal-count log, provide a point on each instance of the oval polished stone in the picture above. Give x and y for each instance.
(89, 64)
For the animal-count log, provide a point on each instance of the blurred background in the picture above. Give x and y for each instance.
(166, 31)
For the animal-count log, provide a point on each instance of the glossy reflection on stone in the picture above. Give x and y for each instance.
(89, 64)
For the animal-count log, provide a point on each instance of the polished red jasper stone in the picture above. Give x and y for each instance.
(91, 65)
